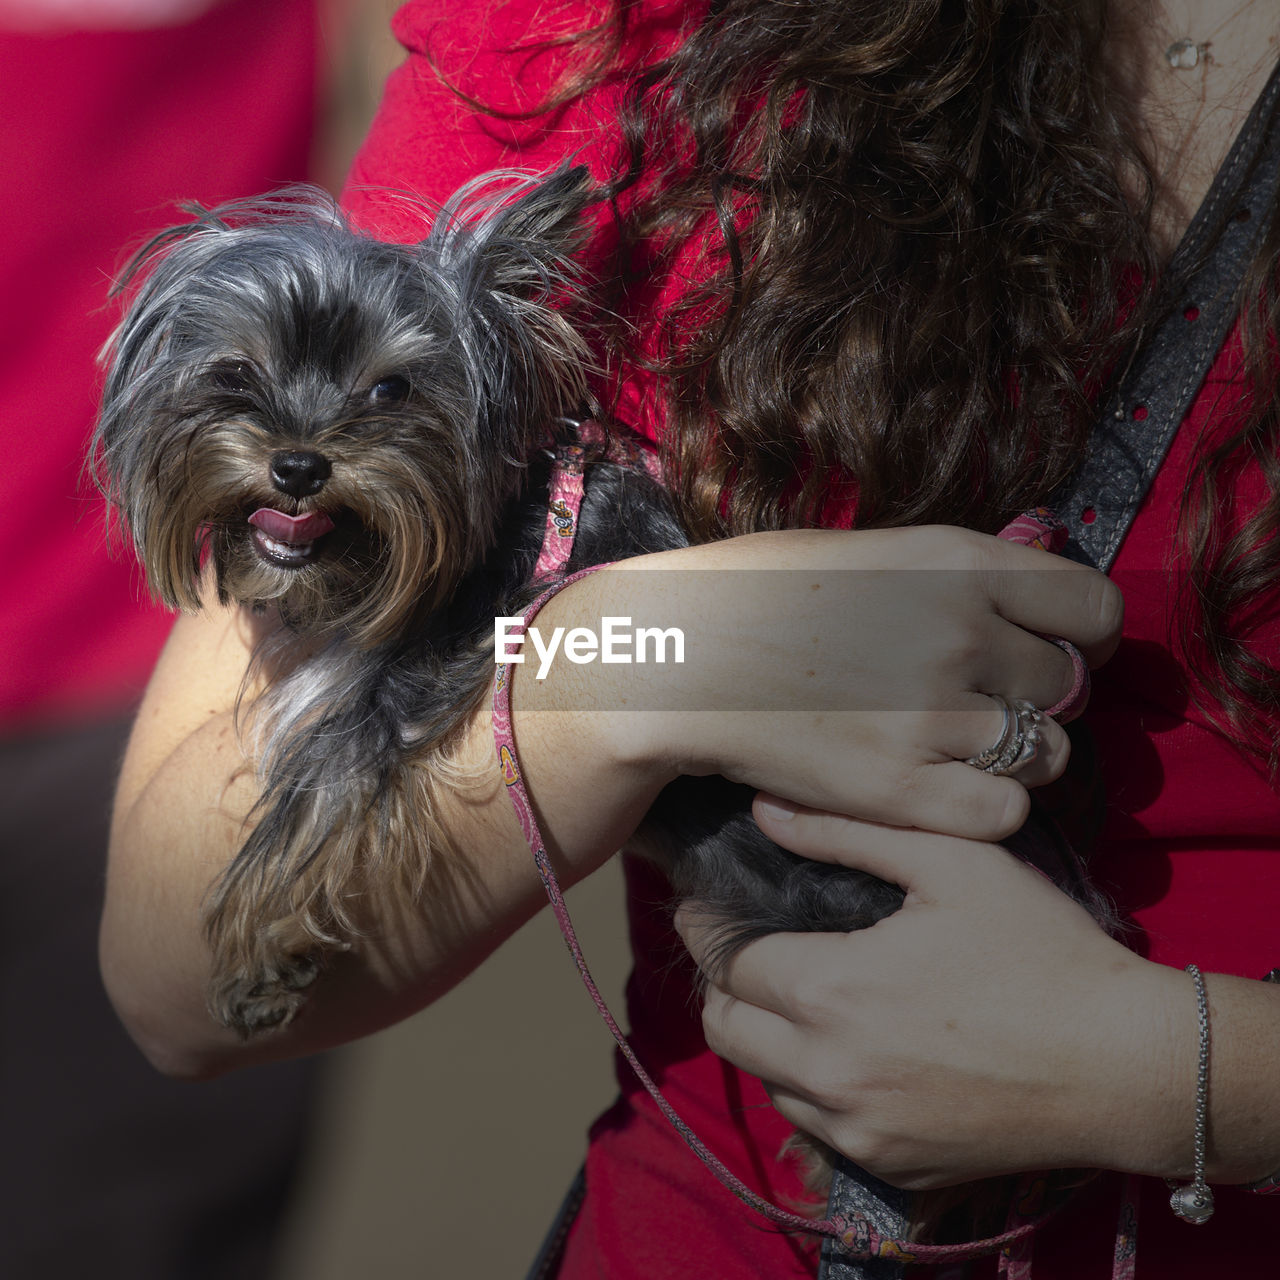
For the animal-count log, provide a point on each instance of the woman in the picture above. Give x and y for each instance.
(928, 252)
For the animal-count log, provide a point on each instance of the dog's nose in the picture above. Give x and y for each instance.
(299, 474)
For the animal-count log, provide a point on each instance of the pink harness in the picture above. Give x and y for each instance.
(857, 1236)
(564, 500)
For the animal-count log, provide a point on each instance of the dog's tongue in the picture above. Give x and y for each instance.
(294, 529)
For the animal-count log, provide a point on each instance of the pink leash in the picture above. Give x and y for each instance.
(855, 1234)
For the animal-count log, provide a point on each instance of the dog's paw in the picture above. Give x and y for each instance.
(253, 1003)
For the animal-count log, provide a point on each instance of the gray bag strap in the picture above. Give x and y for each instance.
(1156, 390)
(1138, 422)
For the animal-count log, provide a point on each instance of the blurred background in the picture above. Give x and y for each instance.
(440, 1148)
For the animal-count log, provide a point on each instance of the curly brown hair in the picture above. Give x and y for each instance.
(909, 287)
(924, 228)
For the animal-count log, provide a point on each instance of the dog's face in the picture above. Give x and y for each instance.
(307, 431)
(331, 422)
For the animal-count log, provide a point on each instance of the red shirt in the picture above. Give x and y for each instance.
(101, 134)
(1191, 848)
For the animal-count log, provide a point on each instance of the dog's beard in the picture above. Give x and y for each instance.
(407, 522)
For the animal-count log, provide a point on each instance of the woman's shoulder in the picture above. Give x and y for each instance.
(475, 94)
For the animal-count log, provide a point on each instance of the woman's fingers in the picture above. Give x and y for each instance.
(749, 1032)
(787, 1056)
(935, 795)
(783, 974)
(1017, 664)
(918, 861)
(846, 1028)
(1052, 596)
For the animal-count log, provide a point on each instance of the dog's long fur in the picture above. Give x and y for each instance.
(273, 359)
(423, 375)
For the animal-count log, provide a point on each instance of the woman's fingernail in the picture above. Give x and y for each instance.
(772, 807)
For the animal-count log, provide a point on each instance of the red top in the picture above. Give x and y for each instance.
(103, 133)
(1191, 849)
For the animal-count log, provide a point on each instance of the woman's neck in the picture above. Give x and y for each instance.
(1196, 68)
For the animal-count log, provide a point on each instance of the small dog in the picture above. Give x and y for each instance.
(353, 434)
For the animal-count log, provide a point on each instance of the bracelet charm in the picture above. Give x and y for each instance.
(1192, 1203)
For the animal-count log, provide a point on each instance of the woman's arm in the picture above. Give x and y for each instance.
(184, 793)
(989, 1027)
(885, 696)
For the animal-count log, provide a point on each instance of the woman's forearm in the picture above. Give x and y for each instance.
(1244, 1120)
(871, 717)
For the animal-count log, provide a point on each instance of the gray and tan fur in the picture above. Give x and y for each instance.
(273, 359)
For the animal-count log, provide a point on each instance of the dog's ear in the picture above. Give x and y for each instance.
(515, 234)
(542, 226)
(502, 250)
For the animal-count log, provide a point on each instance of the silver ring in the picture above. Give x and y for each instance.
(1018, 742)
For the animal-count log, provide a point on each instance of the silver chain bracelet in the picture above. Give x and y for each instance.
(1194, 1201)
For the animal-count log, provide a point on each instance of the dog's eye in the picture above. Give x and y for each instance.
(390, 390)
(233, 376)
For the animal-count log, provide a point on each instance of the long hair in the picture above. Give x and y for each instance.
(924, 232)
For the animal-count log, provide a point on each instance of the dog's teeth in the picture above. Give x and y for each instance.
(285, 550)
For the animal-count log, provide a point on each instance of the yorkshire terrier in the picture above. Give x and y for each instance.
(352, 435)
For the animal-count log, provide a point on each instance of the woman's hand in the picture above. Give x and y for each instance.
(849, 670)
(989, 1026)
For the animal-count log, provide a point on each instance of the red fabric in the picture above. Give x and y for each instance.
(1191, 848)
(103, 133)
(429, 140)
